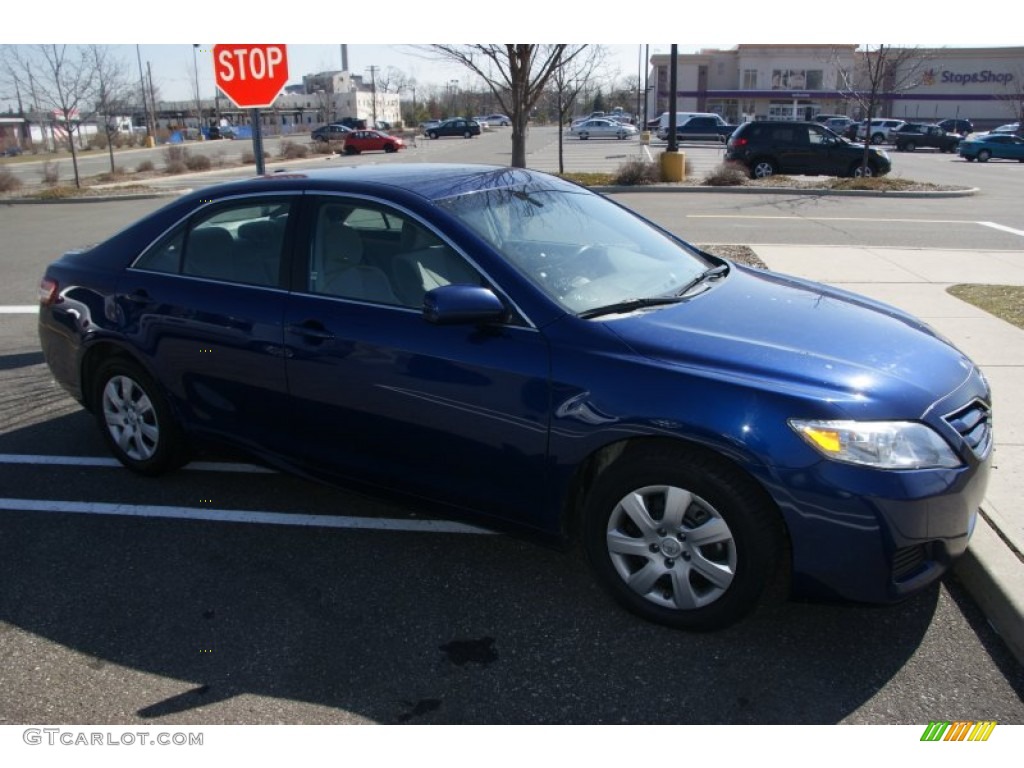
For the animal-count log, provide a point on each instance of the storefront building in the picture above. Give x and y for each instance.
(798, 82)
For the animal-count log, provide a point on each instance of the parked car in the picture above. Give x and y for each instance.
(703, 128)
(766, 148)
(986, 146)
(911, 136)
(497, 119)
(840, 125)
(371, 141)
(1011, 128)
(11, 151)
(499, 343)
(961, 126)
(330, 132)
(459, 126)
(603, 128)
(482, 122)
(880, 132)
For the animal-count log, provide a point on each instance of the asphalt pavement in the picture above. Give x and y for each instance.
(916, 280)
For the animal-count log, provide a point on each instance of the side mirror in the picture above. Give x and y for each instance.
(462, 305)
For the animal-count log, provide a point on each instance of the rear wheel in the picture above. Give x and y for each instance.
(467, 135)
(681, 538)
(910, 146)
(878, 138)
(432, 134)
(762, 169)
(135, 419)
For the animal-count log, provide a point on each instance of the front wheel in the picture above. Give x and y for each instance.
(135, 419)
(910, 146)
(859, 171)
(681, 538)
(984, 155)
(878, 138)
(467, 135)
(432, 134)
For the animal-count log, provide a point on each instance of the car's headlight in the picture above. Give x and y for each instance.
(881, 444)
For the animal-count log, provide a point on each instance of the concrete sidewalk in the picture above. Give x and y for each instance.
(916, 280)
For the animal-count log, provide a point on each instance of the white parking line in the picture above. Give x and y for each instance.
(20, 309)
(239, 516)
(1001, 228)
(97, 461)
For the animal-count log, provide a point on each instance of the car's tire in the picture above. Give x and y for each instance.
(762, 168)
(584, 136)
(135, 419)
(910, 146)
(432, 134)
(467, 135)
(389, 148)
(351, 151)
(878, 138)
(859, 171)
(984, 155)
(681, 537)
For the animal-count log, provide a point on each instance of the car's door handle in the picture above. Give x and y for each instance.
(139, 296)
(311, 329)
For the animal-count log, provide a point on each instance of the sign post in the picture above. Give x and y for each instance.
(251, 76)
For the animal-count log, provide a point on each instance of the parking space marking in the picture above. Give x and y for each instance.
(20, 309)
(240, 516)
(98, 461)
(1002, 228)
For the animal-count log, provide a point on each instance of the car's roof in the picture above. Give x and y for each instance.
(432, 181)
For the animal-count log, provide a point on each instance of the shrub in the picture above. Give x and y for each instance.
(175, 167)
(175, 154)
(292, 151)
(145, 166)
(8, 181)
(726, 175)
(636, 171)
(198, 163)
(248, 157)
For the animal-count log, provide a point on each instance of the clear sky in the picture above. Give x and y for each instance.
(384, 38)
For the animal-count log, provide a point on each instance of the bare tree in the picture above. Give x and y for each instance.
(568, 81)
(1013, 96)
(517, 75)
(113, 91)
(62, 82)
(881, 72)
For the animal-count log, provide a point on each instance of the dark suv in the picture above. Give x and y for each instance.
(960, 125)
(766, 148)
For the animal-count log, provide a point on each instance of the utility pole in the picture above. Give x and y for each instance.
(199, 105)
(373, 92)
(145, 101)
(152, 93)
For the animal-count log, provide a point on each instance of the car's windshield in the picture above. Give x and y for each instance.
(580, 249)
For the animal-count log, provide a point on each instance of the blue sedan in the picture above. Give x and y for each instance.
(999, 146)
(503, 344)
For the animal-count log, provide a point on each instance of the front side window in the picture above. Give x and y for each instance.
(370, 253)
(238, 242)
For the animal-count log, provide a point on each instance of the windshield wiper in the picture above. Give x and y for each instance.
(707, 274)
(629, 305)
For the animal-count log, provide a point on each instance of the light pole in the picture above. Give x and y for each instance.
(199, 108)
(453, 87)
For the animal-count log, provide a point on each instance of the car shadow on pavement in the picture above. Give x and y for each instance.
(396, 627)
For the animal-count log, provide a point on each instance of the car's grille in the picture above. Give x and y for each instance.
(973, 422)
(908, 561)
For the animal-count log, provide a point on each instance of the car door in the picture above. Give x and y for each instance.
(379, 395)
(794, 148)
(204, 305)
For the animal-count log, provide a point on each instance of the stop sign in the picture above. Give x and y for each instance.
(250, 75)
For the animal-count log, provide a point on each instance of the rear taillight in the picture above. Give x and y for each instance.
(49, 292)
(738, 142)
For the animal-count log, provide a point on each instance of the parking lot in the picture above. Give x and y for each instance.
(225, 593)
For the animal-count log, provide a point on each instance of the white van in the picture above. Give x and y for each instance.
(681, 117)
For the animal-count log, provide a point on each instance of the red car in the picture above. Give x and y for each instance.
(368, 141)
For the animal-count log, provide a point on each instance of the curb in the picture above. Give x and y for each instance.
(93, 198)
(992, 574)
(648, 188)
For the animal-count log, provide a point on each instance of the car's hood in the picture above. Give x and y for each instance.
(782, 333)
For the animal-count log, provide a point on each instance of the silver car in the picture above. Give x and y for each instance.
(600, 127)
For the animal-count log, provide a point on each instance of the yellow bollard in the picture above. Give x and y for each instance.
(673, 166)
(645, 137)
(150, 142)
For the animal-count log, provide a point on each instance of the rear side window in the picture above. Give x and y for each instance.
(240, 242)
